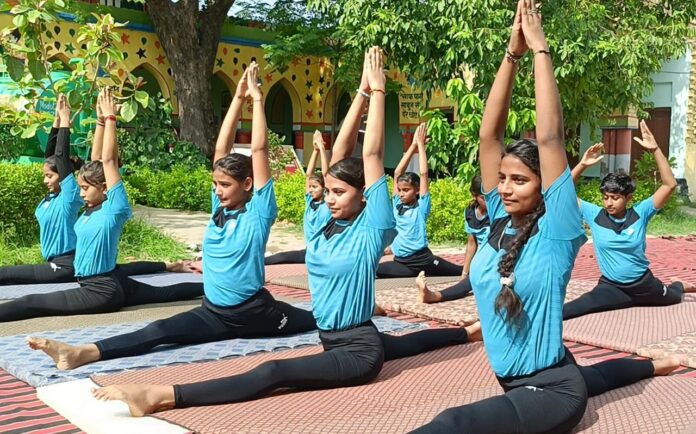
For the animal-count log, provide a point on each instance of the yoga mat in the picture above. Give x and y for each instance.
(635, 327)
(302, 282)
(37, 369)
(74, 402)
(682, 346)
(132, 314)
(460, 312)
(407, 394)
(9, 292)
(281, 270)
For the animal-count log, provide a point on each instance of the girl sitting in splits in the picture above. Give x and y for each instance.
(316, 210)
(411, 204)
(477, 226)
(342, 258)
(58, 212)
(618, 235)
(520, 275)
(103, 286)
(235, 304)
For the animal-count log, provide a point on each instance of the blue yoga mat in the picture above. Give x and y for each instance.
(10, 292)
(37, 369)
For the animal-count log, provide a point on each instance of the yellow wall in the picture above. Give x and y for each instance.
(690, 154)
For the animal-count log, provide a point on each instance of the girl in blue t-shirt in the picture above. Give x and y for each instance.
(235, 303)
(316, 210)
(103, 286)
(477, 227)
(619, 235)
(342, 259)
(520, 274)
(411, 207)
(58, 211)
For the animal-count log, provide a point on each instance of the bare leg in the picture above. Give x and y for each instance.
(142, 399)
(665, 365)
(65, 356)
(474, 331)
(177, 267)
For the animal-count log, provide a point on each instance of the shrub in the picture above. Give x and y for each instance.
(449, 198)
(290, 192)
(179, 188)
(21, 190)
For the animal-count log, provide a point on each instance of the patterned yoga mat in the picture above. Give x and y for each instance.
(408, 393)
(35, 368)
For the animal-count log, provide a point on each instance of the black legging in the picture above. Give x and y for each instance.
(104, 293)
(459, 290)
(259, 316)
(609, 295)
(550, 401)
(58, 270)
(61, 270)
(350, 358)
(292, 257)
(436, 267)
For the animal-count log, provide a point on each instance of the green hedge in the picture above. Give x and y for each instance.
(179, 188)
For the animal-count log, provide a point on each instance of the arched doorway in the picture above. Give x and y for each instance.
(222, 97)
(279, 112)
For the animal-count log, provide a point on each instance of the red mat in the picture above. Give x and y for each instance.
(408, 393)
(284, 270)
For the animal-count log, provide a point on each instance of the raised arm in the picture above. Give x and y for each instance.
(63, 139)
(495, 114)
(53, 135)
(549, 113)
(471, 247)
(348, 135)
(98, 137)
(401, 167)
(422, 159)
(259, 134)
(225, 141)
(373, 148)
(592, 156)
(669, 183)
(109, 155)
(311, 167)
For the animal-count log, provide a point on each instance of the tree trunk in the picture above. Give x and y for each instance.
(190, 37)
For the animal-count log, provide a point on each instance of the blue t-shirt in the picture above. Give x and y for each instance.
(316, 215)
(542, 273)
(342, 262)
(57, 214)
(478, 227)
(233, 247)
(98, 230)
(619, 244)
(410, 226)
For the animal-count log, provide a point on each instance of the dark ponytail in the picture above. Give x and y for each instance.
(507, 301)
(475, 190)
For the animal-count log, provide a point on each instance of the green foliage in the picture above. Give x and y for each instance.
(10, 146)
(290, 193)
(449, 198)
(278, 154)
(140, 241)
(21, 190)
(600, 48)
(95, 62)
(181, 187)
(151, 141)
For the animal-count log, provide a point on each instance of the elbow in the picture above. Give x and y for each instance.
(550, 139)
(671, 184)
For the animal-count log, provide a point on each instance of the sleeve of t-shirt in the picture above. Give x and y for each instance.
(378, 207)
(70, 192)
(214, 200)
(264, 201)
(424, 204)
(588, 211)
(562, 220)
(494, 205)
(646, 209)
(117, 202)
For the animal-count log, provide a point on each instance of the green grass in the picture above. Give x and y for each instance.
(139, 241)
(676, 224)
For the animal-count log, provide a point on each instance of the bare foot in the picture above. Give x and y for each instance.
(474, 332)
(177, 267)
(379, 311)
(688, 286)
(665, 365)
(65, 356)
(142, 399)
(427, 296)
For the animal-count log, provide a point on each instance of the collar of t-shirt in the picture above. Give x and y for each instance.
(222, 216)
(314, 204)
(617, 225)
(403, 207)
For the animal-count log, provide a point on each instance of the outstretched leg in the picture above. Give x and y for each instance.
(602, 298)
(293, 257)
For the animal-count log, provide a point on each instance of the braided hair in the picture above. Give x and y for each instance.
(507, 302)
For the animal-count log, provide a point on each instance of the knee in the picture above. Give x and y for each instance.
(268, 371)
(453, 420)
